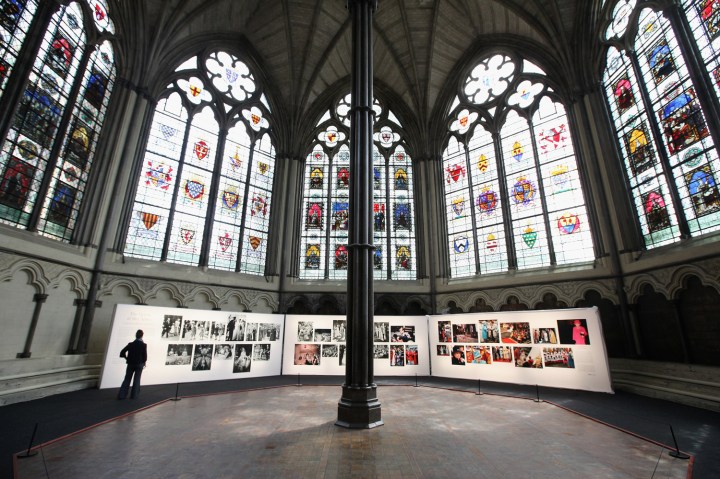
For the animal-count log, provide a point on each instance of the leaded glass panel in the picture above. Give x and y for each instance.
(15, 18)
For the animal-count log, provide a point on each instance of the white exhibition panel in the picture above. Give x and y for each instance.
(315, 345)
(544, 348)
(190, 345)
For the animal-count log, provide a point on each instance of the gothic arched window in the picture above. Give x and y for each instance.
(513, 196)
(204, 190)
(49, 147)
(669, 155)
(324, 224)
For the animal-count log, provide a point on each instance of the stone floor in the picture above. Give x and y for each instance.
(289, 432)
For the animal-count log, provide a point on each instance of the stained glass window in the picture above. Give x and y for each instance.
(512, 196)
(203, 197)
(324, 252)
(44, 172)
(669, 154)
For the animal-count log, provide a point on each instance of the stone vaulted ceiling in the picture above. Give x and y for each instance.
(303, 46)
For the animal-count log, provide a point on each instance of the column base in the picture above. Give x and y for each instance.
(359, 408)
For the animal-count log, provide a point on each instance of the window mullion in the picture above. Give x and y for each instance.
(473, 220)
(505, 196)
(543, 200)
(246, 195)
(212, 198)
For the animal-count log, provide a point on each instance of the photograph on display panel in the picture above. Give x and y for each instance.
(458, 355)
(243, 358)
(558, 358)
(339, 327)
(402, 334)
(411, 355)
(381, 351)
(445, 332)
(269, 332)
(179, 355)
(465, 333)
(573, 331)
(171, 327)
(544, 336)
(489, 332)
(305, 331)
(223, 352)
(381, 332)
(502, 354)
(527, 357)
(202, 357)
(397, 355)
(322, 336)
(443, 350)
(251, 331)
(330, 350)
(261, 352)
(515, 333)
(307, 354)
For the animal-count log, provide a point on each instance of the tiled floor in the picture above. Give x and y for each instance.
(290, 432)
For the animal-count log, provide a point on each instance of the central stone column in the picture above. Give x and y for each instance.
(359, 406)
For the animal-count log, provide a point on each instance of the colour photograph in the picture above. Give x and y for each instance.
(558, 358)
(573, 331)
(243, 358)
(515, 333)
(478, 355)
(502, 354)
(307, 354)
(458, 355)
(465, 333)
(443, 350)
(544, 336)
(397, 355)
(444, 332)
(527, 357)
(411, 355)
(402, 334)
(489, 332)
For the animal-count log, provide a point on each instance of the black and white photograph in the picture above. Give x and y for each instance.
(339, 328)
(217, 331)
(230, 328)
(305, 331)
(268, 332)
(381, 332)
(307, 354)
(243, 358)
(397, 355)
(223, 352)
(443, 350)
(251, 331)
(322, 335)
(178, 355)
(171, 327)
(196, 330)
(402, 334)
(329, 350)
(261, 352)
(202, 357)
(380, 351)
(341, 355)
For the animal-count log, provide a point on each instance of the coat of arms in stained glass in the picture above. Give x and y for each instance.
(487, 201)
(568, 223)
(524, 191)
(60, 55)
(703, 190)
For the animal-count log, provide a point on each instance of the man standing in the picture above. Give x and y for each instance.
(135, 354)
